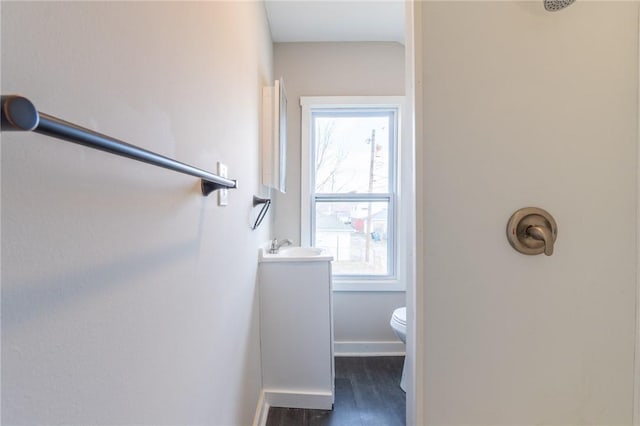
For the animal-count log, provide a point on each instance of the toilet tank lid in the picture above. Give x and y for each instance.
(400, 315)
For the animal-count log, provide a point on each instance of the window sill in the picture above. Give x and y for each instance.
(368, 285)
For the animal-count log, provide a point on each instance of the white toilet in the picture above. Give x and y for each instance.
(399, 325)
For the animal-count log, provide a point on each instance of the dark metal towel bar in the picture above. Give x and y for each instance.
(18, 113)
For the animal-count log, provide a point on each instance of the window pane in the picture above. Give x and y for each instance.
(356, 234)
(351, 152)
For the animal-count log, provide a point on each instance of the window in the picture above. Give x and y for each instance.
(349, 184)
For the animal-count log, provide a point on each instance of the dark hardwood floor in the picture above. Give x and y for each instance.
(367, 394)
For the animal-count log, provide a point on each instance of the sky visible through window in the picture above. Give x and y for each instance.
(344, 154)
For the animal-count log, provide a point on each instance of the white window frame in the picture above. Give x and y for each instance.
(396, 282)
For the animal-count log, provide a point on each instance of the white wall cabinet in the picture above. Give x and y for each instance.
(274, 136)
(296, 333)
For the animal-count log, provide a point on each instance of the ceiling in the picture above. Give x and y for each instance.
(336, 20)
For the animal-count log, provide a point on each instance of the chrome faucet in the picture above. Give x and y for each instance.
(275, 245)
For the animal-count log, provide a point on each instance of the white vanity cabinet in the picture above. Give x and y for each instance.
(296, 331)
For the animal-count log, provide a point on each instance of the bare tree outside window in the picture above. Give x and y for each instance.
(353, 150)
(328, 156)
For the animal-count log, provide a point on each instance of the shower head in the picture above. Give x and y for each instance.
(555, 5)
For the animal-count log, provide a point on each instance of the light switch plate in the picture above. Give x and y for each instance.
(223, 194)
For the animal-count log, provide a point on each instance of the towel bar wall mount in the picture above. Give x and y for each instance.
(19, 114)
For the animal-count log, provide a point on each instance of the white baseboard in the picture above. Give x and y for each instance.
(262, 411)
(361, 348)
(298, 399)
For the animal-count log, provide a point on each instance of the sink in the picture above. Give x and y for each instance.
(296, 326)
(295, 254)
(300, 251)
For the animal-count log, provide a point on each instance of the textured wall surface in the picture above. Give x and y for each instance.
(528, 108)
(127, 297)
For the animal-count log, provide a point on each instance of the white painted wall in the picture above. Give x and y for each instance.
(337, 69)
(524, 107)
(127, 297)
